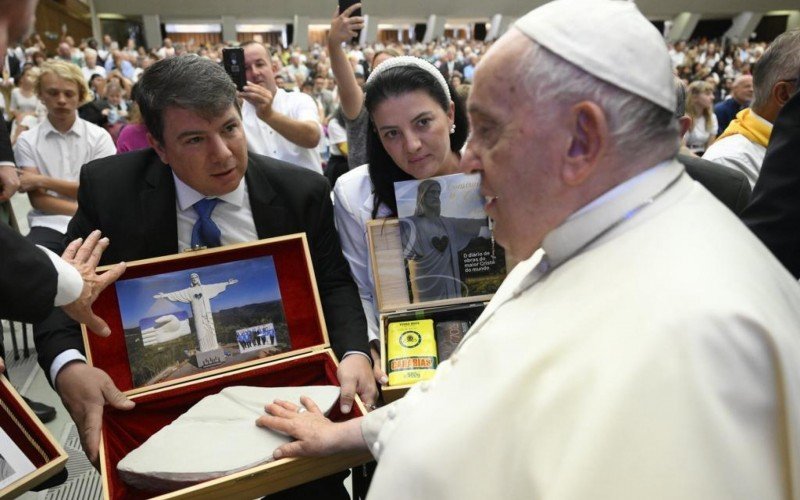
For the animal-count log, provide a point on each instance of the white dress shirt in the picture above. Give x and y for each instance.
(739, 153)
(70, 282)
(352, 209)
(264, 140)
(232, 214)
(60, 156)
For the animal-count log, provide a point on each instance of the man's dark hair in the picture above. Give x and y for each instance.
(188, 82)
(383, 171)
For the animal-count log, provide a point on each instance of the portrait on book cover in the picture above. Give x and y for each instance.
(446, 238)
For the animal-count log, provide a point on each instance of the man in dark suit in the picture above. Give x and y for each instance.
(774, 212)
(448, 64)
(151, 203)
(31, 280)
(727, 185)
(14, 65)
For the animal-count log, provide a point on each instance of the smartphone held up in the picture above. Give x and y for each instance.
(346, 4)
(233, 61)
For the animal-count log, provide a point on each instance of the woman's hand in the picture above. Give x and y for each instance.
(344, 27)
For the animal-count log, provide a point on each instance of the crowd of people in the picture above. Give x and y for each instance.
(645, 346)
(112, 67)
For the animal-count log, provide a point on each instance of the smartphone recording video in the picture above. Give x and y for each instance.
(233, 60)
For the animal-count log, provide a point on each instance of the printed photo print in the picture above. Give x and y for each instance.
(446, 238)
(14, 465)
(181, 323)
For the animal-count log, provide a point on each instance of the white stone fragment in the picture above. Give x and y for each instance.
(216, 437)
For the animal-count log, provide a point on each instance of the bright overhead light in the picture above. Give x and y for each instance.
(193, 28)
(259, 28)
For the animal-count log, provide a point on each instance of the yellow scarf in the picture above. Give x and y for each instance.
(749, 125)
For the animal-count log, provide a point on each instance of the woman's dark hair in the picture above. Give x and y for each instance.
(383, 171)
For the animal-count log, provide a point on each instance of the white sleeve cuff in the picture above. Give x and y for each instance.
(62, 359)
(70, 282)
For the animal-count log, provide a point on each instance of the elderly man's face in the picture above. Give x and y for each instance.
(208, 155)
(743, 89)
(515, 150)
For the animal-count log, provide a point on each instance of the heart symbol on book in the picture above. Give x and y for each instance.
(440, 243)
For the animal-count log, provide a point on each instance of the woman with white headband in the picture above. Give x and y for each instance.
(417, 128)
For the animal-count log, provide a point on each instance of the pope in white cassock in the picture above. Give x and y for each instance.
(646, 347)
(199, 296)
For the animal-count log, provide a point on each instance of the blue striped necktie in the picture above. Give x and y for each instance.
(205, 232)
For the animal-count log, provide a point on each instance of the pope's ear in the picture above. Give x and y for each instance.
(589, 132)
(783, 92)
(158, 148)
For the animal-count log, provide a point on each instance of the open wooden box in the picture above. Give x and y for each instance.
(309, 361)
(31, 439)
(396, 301)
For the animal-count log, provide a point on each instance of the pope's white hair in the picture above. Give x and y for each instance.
(637, 126)
(781, 61)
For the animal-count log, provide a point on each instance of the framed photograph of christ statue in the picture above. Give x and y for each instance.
(180, 323)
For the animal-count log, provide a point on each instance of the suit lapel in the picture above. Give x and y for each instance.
(159, 218)
(269, 215)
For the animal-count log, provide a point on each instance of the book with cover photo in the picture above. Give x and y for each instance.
(446, 238)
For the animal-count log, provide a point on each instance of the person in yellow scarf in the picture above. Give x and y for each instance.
(744, 142)
(750, 125)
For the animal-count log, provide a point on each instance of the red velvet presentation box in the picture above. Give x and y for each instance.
(29, 440)
(306, 359)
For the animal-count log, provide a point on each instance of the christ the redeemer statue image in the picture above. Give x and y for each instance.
(199, 295)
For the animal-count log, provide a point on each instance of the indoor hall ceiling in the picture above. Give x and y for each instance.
(412, 10)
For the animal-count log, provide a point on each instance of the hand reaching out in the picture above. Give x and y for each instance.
(84, 256)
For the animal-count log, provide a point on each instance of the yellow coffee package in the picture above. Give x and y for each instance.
(410, 351)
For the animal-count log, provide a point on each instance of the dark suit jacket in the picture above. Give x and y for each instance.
(445, 70)
(729, 186)
(774, 210)
(28, 280)
(14, 67)
(131, 199)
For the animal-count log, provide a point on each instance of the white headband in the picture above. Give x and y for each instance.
(422, 64)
